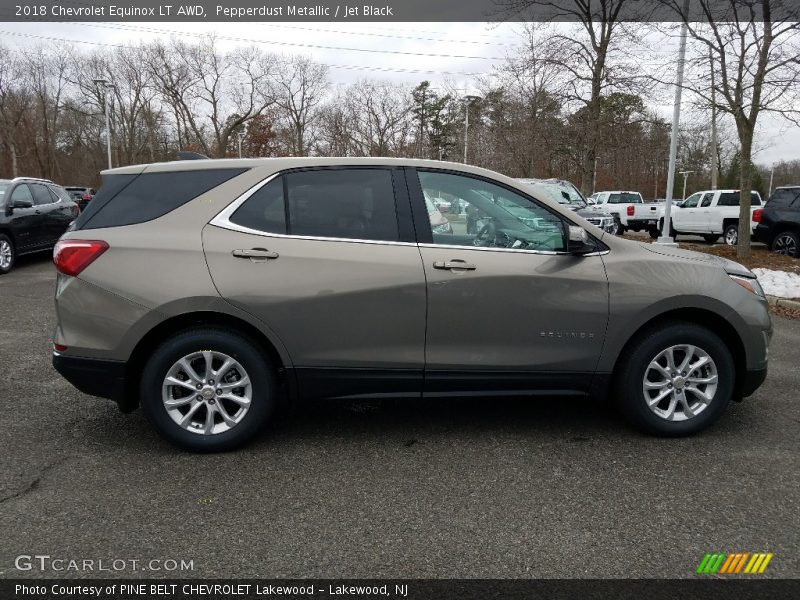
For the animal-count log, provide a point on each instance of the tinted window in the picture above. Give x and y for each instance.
(785, 196)
(732, 199)
(624, 198)
(706, 200)
(40, 194)
(342, 203)
(59, 192)
(493, 216)
(21, 193)
(150, 195)
(264, 210)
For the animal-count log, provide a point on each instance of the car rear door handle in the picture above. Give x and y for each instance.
(454, 264)
(255, 253)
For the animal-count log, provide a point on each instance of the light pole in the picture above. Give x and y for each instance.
(241, 137)
(676, 118)
(106, 85)
(771, 176)
(467, 101)
(685, 177)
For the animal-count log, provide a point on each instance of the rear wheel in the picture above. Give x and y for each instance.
(208, 390)
(7, 254)
(617, 228)
(710, 238)
(675, 380)
(654, 233)
(787, 243)
(731, 234)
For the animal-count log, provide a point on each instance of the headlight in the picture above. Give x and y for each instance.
(443, 228)
(750, 284)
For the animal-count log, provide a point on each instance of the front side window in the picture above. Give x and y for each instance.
(493, 216)
(691, 201)
(342, 203)
(22, 193)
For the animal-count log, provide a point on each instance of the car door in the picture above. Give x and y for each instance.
(64, 210)
(327, 259)
(687, 218)
(706, 223)
(46, 207)
(509, 311)
(27, 223)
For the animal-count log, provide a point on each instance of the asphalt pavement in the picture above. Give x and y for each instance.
(464, 488)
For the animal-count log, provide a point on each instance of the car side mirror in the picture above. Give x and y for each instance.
(22, 204)
(579, 242)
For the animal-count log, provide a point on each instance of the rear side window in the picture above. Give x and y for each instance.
(732, 199)
(264, 210)
(786, 197)
(149, 196)
(342, 203)
(40, 194)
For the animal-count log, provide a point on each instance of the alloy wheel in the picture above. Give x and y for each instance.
(207, 392)
(680, 382)
(731, 236)
(5, 254)
(785, 244)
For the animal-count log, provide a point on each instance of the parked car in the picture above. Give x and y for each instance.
(628, 210)
(711, 213)
(33, 215)
(565, 193)
(322, 278)
(779, 224)
(81, 195)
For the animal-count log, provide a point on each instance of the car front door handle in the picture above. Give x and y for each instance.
(454, 264)
(255, 253)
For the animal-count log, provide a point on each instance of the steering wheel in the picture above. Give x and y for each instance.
(486, 236)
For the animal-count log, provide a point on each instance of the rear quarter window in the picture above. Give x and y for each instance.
(132, 199)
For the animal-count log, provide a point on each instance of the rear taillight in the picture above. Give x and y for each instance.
(73, 256)
(86, 197)
(630, 210)
(59, 347)
(757, 215)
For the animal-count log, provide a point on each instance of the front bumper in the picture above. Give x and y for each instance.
(103, 378)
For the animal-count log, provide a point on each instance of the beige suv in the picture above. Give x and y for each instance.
(205, 291)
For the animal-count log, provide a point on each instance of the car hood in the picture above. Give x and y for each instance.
(588, 213)
(727, 265)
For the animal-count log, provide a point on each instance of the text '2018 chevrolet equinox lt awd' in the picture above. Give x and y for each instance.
(207, 290)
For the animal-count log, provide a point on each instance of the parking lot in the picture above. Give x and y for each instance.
(505, 488)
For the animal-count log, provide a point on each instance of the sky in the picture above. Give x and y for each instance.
(398, 52)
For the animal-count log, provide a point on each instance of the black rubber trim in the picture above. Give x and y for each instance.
(316, 383)
(102, 378)
(752, 381)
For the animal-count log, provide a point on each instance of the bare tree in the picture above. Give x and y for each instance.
(756, 63)
(299, 85)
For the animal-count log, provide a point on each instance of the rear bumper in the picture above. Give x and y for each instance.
(761, 234)
(103, 378)
(643, 223)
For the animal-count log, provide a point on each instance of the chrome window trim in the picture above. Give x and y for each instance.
(222, 220)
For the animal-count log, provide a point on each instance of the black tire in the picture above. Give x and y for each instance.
(787, 243)
(672, 233)
(618, 228)
(6, 242)
(654, 233)
(257, 365)
(731, 234)
(711, 238)
(633, 365)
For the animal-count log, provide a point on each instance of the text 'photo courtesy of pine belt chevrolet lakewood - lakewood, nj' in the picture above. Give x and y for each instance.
(207, 292)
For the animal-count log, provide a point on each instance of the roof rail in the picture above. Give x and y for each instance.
(31, 179)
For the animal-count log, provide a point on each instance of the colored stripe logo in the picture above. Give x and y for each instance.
(734, 564)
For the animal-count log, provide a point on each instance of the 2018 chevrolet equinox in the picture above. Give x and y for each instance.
(204, 291)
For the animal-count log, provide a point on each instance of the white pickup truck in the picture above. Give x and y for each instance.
(711, 214)
(628, 209)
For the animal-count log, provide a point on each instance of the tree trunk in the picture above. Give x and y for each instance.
(745, 187)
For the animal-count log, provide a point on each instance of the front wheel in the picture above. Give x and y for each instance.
(208, 390)
(616, 228)
(731, 234)
(7, 255)
(675, 380)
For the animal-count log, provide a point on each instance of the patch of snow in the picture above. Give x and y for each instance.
(779, 283)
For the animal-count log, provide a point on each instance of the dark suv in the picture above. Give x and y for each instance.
(779, 225)
(34, 213)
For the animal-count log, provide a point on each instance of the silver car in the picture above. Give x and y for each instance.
(206, 291)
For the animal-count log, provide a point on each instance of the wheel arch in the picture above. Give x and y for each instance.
(704, 317)
(181, 322)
